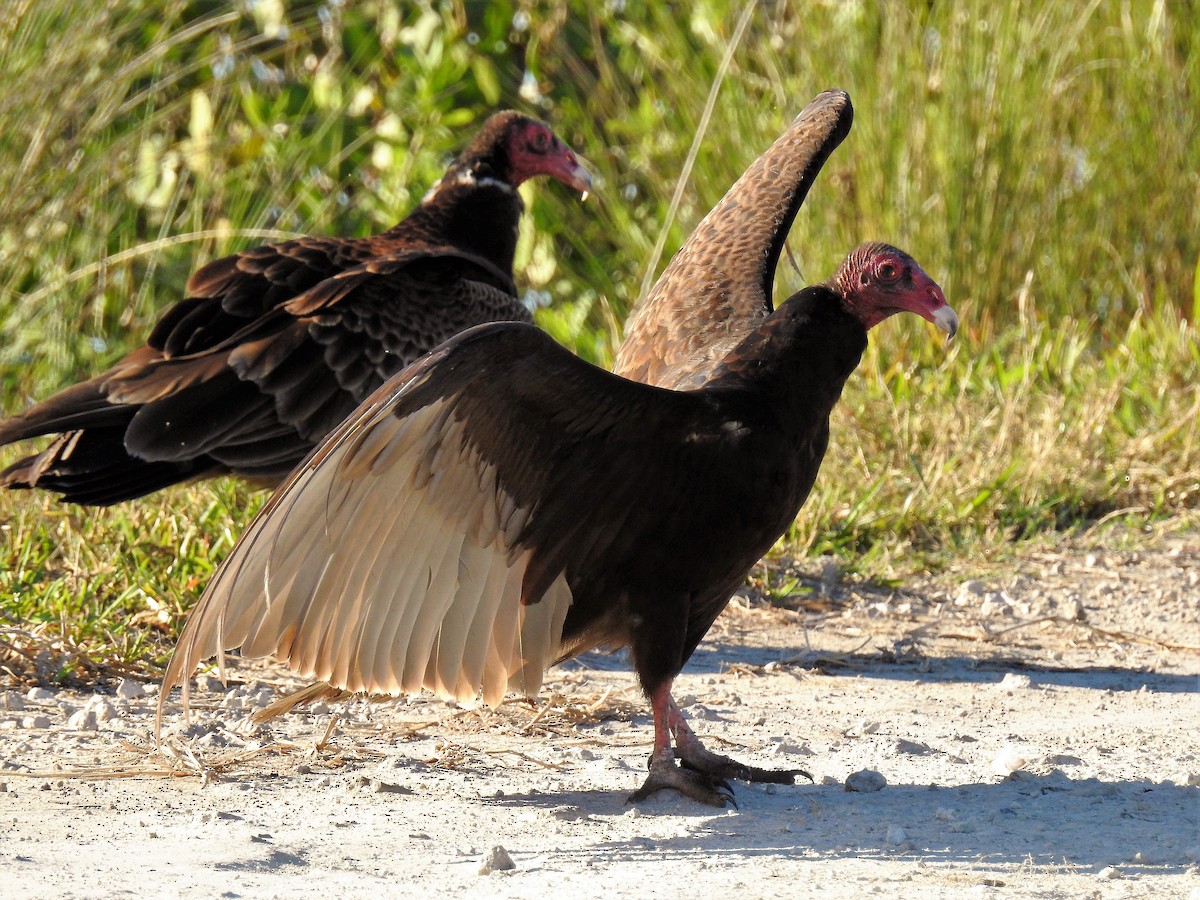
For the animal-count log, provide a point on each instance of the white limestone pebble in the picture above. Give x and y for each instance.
(1015, 682)
(35, 722)
(1110, 872)
(969, 592)
(12, 700)
(1008, 760)
(865, 781)
(995, 603)
(496, 860)
(128, 689)
(39, 695)
(210, 684)
(895, 834)
(82, 720)
(101, 708)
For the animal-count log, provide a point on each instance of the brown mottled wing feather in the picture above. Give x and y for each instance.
(718, 286)
(227, 294)
(256, 401)
(422, 544)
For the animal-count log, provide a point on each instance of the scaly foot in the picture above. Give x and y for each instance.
(698, 759)
(699, 786)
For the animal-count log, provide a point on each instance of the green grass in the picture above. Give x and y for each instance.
(1040, 160)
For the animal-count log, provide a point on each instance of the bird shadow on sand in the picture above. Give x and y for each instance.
(717, 657)
(1084, 825)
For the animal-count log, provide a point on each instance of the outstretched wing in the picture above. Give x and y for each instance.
(718, 286)
(422, 544)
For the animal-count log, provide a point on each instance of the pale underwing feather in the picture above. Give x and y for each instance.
(390, 564)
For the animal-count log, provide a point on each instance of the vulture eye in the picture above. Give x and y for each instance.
(540, 142)
(888, 271)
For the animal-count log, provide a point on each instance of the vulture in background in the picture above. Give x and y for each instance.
(717, 288)
(502, 505)
(274, 346)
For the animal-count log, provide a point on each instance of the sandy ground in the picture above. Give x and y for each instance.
(1038, 732)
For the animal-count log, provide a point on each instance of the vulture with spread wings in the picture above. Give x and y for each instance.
(502, 505)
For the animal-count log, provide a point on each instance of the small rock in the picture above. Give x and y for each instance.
(944, 815)
(213, 739)
(1110, 872)
(829, 780)
(1192, 779)
(1014, 682)
(210, 684)
(895, 834)
(496, 860)
(40, 695)
(129, 689)
(35, 722)
(12, 700)
(995, 604)
(387, 787)
(1008, 760)
(864, 726)
(102, 709)
(865, 781)
(83, 720)
(913, 748)
(969, 592)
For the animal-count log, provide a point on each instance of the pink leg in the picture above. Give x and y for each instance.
(703, 774)
(664, 771)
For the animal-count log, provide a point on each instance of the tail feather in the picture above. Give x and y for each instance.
(94, 468)
(82, 405)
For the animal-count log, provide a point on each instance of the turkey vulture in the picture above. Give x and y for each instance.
(502, 505)
(273, 346)
(718, 286)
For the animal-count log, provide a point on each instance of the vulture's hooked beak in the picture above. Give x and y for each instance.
(579, 177)
(946, 319)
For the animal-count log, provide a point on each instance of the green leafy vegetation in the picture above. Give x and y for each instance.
(1040, 161)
